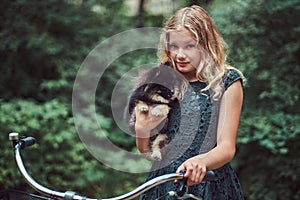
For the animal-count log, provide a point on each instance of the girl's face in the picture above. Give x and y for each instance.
(185, 53)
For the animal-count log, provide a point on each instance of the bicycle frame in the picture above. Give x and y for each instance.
(20, 144)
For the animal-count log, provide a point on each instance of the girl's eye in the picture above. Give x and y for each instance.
(173, 46)
(190, 46)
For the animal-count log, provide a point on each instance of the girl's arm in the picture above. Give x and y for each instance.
(145, 122)
(229, 116)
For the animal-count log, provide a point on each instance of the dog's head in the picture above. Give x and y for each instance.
(165, 81)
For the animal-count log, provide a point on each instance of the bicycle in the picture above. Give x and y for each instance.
(21, 143)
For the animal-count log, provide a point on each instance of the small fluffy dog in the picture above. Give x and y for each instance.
(161, 87)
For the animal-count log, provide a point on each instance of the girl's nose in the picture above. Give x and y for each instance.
(180, 54)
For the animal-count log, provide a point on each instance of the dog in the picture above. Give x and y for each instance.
(161, 87)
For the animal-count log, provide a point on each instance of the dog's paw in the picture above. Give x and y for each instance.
(156, 155)
(142, 107)
(160, 110)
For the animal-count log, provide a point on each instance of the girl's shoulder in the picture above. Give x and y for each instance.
(232, 75)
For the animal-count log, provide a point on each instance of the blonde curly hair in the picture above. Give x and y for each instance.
(213, 64)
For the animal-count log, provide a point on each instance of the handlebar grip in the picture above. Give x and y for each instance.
(27, 142)
(209, 176)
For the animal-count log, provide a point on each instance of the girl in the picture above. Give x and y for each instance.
(193, 46)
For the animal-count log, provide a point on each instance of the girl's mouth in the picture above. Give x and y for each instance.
(182, 64)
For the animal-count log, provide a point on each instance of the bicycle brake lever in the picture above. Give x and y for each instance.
(182, 185)
(189, 196)
(210, 176)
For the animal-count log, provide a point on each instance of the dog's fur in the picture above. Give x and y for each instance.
(161, 87)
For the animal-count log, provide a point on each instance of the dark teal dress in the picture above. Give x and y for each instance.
(193, 131)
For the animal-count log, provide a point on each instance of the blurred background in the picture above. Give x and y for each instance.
(43, 43)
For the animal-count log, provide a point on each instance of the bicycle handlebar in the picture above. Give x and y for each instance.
(69, 195)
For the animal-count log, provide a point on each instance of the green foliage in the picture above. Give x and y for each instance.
(263, 40)
(271, 131)
(59, 160)
(42, 45)
(266, 47)
(40, 121)
(266, 175)
(44, 42)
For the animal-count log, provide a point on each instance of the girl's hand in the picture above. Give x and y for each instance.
(195, 170)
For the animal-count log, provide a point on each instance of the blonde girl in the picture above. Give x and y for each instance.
(192, 45)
